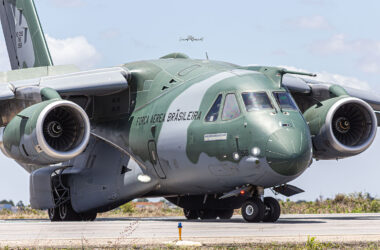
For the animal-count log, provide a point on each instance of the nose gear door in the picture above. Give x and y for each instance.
(154, 159)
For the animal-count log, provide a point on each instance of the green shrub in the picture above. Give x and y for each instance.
(127, 208)
(342, 203)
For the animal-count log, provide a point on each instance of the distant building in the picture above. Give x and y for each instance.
(8, 207)
(5, 207)
(149, 205)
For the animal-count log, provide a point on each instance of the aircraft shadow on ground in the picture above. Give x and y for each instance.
(298, 220)
(234, 220)
(369, 217)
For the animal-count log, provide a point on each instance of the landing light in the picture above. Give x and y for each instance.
(236, 156)
(255, 151)
(144, 178)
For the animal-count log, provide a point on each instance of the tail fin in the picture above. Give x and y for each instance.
(23, 34)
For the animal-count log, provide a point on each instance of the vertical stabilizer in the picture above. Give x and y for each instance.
(23, 34)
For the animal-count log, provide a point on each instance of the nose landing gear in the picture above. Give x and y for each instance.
(272, 209)
(254, 210)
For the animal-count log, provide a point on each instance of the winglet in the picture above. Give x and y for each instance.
(19, 20)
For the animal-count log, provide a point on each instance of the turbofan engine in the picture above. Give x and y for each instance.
(47, 133)
(341, 127)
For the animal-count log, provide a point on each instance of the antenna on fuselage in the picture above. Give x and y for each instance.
(285, 71)
(206, 56)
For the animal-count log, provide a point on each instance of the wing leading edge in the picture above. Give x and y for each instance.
(15, 95)
(307, 90)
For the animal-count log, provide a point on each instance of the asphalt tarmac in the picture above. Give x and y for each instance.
(146, 231)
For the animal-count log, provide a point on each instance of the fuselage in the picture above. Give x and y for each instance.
(208, 127)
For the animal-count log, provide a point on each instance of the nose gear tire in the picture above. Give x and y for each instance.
(253, 210)
(272, 210)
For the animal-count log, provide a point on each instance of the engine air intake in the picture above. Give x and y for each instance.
(341, 127)
(352, 124)
(63, 128)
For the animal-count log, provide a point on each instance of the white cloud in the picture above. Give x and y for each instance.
(348, 81)
(311, 22)
(73, 50)
(369, 65)
(324, 76)
(336, 44)
(367, 51)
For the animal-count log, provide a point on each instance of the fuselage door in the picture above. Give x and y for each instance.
(154, 159)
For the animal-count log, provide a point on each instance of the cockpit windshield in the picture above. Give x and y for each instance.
(256, 101)
(284, 100)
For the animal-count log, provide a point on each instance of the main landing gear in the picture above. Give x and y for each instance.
(208, 214)
(255, 210)
(65, 212)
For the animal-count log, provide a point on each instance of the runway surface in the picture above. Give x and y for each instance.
(141, 231)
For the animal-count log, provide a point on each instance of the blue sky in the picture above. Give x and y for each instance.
(340, 40)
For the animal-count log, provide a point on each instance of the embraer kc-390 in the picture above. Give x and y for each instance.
(208, 136)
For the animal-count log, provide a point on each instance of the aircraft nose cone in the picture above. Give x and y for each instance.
(288, 151)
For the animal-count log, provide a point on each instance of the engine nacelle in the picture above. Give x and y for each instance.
(46, 133)
(341, 127)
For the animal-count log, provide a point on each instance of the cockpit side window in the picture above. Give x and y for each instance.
(231, 108)
(212, 115)
(256, 101)
(284, 100)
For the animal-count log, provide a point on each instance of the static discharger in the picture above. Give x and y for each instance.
(180, 230)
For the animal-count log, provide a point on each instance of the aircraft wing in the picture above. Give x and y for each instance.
(303, 89)
(94, 82)
(309, 87)
(17, 93)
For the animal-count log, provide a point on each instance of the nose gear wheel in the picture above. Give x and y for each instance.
(253, 210)
(272, 209)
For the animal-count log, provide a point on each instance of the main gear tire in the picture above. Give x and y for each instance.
(225, 214)
(67, 213)
(89, 216)
(253, 210)
(272, 209)
(207, 214)
(190, 214)
(54, 214)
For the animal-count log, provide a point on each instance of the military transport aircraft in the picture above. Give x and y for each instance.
(208, 136)
(191, 39)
